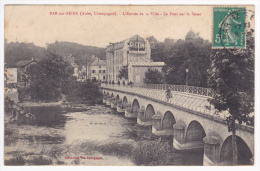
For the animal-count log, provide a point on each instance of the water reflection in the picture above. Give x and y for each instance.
(49, 116)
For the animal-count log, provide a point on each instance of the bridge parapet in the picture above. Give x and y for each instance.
(194, 102)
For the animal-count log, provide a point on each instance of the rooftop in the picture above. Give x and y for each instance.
(98, 62)
(24, 63)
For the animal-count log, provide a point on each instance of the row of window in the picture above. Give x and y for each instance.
(100, 71)
(104, 77)
(117, 61)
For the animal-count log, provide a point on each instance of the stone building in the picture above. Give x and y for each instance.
(134, 49)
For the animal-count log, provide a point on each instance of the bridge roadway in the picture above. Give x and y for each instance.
(189, 118)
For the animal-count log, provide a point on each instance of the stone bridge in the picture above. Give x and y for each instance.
(187, 116)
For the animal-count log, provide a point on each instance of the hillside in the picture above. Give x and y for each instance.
(15, 52)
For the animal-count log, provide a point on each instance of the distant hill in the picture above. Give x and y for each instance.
(15, 52)
(81, 53)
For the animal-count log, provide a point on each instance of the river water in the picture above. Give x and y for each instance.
(98, 136)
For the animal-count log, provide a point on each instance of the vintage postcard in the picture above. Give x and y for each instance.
(129, 85)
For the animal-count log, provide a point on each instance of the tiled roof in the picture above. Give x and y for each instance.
(147, 64)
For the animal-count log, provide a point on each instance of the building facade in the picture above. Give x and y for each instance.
(96, 71)
(134, 49)
(11, 75)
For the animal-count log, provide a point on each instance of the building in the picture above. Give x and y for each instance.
(137, 70)
(78, 71)
(11, 76)
(82, 74)
(96, 70)
(134, 49)
(22, 66)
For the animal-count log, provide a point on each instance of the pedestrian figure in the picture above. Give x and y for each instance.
(168, 94)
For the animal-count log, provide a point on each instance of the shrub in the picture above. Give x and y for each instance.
(153, 76)
(41, 161)
(8, 104)
(151, 153)
(16, 161)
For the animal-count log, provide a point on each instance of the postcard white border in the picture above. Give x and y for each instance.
(133, 2)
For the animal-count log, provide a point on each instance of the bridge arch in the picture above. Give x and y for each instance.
(124, 101)
(149, 112)
(195, 132)
(117, 99)
(168, 120)
(135, 106)
(244, 153)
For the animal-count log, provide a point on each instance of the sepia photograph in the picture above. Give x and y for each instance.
(129, 85)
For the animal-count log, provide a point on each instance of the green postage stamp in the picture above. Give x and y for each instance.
(229, 27)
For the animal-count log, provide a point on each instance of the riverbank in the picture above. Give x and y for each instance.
(25, 104)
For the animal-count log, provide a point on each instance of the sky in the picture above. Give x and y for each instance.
(34, 24)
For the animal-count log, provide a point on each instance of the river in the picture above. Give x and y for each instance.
(98, 136)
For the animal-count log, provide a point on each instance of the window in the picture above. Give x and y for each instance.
(99, 71)
(104, 71)
(93, 71)
(99, 66)
(104, 77)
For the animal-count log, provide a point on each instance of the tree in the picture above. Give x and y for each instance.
(153, 76)
(232, 78)
(84, 92)
(123, 73)
(47, 77)
(193, 54)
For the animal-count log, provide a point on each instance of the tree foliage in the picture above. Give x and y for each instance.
(153, 76)
(192, 53)
(83, 92)
(232, 77)
(123, 73)
(47, 77)
(8, 104)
